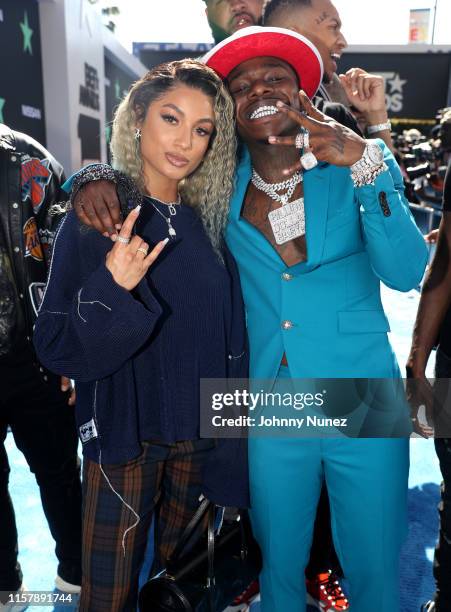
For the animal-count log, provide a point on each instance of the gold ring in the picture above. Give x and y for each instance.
(142, 250)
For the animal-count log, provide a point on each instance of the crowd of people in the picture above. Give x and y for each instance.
(243, 230)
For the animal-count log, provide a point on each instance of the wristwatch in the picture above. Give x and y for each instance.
(369, 166)
(372, 156)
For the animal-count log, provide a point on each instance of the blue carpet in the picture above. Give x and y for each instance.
(37, 547)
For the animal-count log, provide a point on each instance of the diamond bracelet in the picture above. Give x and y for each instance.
(368, 176)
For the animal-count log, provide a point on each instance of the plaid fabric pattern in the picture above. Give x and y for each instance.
(165, 479)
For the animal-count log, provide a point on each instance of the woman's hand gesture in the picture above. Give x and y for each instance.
(129, 260)
(329, 141)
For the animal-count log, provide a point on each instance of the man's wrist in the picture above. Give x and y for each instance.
(415, 369)
(374, 117)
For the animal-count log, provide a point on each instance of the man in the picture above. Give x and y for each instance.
(227, 16)
(434, 322)
(35, 404)
(313, 306)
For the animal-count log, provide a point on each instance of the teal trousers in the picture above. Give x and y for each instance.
(367, 482)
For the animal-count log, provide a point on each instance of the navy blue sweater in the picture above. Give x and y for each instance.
(137, 357)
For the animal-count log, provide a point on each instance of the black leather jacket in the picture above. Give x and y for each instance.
(30, 184)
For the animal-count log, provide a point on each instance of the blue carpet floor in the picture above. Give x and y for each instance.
(37, 547)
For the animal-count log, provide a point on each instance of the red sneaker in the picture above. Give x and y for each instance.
(326, 592)
(243, 601)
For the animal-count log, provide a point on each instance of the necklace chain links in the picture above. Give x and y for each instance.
(271, 189)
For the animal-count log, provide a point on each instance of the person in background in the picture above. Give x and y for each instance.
(320, 22)
(137, 333)
(36, 404)
(227, 16)
(434, 322)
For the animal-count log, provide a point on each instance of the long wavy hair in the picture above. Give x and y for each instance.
(210, 186)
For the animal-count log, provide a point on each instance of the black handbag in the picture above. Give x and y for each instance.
(210, 575)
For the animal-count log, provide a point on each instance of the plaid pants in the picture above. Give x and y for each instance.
(165, 479)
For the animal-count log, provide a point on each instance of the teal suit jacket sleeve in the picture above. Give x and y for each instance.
(397, 250)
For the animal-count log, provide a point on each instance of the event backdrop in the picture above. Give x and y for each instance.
(117, 84)
(416, 84)
(152, 54)
(21, 89)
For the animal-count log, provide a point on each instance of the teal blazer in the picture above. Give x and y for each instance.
(356, 237)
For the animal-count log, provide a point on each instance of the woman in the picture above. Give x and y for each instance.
(137, 327)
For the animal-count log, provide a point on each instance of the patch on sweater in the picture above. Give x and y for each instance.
(88, 431)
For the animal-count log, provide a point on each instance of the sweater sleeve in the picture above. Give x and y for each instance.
(397, 250)
(88, 326)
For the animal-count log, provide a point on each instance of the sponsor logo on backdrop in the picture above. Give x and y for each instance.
(31, 112)
(89, 92)
(394, 91)
(31, 238)
(36, 175)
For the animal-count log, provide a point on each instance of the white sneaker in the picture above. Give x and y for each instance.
(15, 607)
(67, 587)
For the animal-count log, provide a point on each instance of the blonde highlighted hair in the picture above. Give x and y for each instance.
(210, 186)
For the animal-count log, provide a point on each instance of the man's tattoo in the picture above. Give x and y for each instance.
(319, 20)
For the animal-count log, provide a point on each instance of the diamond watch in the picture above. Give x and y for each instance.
(369, 166)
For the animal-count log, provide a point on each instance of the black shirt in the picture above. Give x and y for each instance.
(338, 112)
(445, 331)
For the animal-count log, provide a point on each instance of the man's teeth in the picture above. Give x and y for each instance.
(335, 56)
(263, 111)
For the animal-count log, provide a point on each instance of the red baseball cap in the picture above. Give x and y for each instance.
(256, 41)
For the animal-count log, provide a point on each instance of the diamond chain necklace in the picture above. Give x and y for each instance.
(271, 189)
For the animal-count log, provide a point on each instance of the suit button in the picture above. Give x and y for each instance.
(13, 158)
(15, 205)
(287, 324)
(16, 250)
(287, 277)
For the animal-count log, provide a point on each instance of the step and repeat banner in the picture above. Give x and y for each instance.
(117, 84)
(152, 54)
(21, 87)
(416, 84)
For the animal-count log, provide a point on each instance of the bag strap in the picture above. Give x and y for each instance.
(190, 529)
(211, 558)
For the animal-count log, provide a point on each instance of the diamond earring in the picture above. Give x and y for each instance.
(137, 134)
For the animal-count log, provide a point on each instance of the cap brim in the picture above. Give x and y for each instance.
(256, 41)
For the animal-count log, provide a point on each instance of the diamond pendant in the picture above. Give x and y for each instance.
(171, 230)
(172, 210)
(288, 221)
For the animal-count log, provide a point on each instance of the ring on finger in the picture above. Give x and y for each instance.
(123, 240)
(299, 141)
(309, 160)
(142, 250)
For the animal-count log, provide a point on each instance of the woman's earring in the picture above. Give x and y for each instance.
(137, 134)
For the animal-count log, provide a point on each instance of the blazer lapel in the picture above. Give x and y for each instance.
(316, 202)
